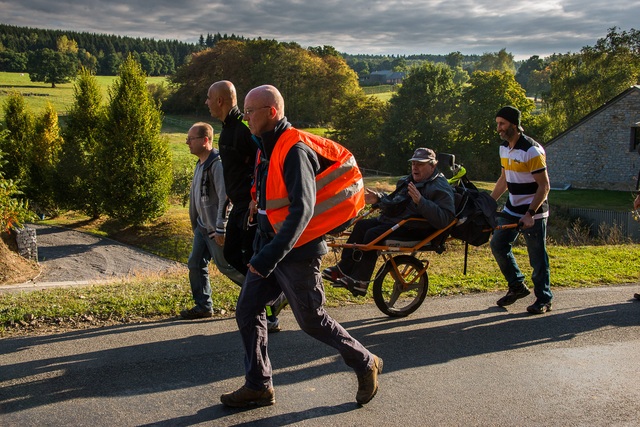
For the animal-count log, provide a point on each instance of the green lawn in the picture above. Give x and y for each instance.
(38, 94)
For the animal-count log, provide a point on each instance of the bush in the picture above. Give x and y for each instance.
(13, 211)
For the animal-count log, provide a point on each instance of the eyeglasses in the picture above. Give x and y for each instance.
(191, 138)
(250, 111)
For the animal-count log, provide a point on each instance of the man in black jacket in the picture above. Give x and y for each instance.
(238, 154)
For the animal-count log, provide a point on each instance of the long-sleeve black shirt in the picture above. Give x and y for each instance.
(238, 154)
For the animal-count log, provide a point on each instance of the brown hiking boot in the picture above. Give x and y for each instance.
(368, 382)
(245, 397)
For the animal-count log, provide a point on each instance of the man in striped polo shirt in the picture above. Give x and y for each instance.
(524, 175)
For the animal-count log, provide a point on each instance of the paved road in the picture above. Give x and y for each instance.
(68, 258)
(457, 361)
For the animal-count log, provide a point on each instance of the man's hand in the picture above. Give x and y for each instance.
(414, 193)
(526, 221)
(219, 238)
(370, 197)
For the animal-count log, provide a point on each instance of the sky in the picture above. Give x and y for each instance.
(399, 27)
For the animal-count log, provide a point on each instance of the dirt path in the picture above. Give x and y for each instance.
(71, 257)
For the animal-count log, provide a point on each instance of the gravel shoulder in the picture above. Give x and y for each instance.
(68, 257)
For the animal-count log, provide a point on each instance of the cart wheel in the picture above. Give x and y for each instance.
(399, 291)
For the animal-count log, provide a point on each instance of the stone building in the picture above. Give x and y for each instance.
(601, 151)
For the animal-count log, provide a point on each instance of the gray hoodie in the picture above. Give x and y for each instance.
(207, 198)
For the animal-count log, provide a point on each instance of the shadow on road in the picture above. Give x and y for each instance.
(189, 361)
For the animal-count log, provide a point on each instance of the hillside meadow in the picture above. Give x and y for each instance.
(38, 94)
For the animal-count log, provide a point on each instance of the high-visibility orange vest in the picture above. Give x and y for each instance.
(339, 188)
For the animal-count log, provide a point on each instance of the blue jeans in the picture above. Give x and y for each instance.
(536, 240)
(302, 284)
(203, 250)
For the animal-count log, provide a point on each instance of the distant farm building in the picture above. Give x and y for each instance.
(383, 77)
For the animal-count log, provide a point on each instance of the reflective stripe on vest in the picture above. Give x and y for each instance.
(339, 188)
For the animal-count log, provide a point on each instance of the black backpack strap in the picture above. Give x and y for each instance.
(207, 176)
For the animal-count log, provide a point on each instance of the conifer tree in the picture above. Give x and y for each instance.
(45, 153)
(135, 162)
(17, 145)
(78, 168)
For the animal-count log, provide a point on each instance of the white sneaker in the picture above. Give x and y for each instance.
(274, 326)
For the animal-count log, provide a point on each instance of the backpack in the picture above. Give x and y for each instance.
(477, 219)
(393, 205)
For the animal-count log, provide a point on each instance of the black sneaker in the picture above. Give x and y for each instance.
(636, 296)
(196, 313)
(357, 287)
(539, 307)
(332, 274)
(513, 295)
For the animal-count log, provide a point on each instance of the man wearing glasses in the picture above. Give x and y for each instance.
(207, 214)
(289, 250)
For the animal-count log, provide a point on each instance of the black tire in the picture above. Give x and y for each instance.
(391, 293)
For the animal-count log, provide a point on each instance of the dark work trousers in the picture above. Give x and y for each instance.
(238, 243)
(359, 264)
(302, 284)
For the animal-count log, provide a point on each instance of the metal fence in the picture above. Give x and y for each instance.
(178, 122)
(623, 220)
(373, 172)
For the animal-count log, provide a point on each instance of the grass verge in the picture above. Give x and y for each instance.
(151, 298)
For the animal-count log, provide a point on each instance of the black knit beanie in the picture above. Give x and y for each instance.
(511, 114)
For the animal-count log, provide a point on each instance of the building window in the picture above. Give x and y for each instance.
(635, 138)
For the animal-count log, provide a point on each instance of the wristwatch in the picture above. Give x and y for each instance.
(531, 212)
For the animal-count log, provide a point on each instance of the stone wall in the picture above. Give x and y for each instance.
(27, 243)
(595, 154)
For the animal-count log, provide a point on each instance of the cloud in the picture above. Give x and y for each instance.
(403, 27)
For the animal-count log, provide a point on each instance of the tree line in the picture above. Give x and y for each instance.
(102, 54)
(440, 105)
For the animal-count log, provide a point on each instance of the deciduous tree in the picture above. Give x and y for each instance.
(44, 157)
(357, 124)
(308, 79)
(50, 66)
(420, 115)
(582, 82)
(498, 61)
(485, 94)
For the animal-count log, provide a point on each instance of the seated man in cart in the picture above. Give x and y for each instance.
(425, 193)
